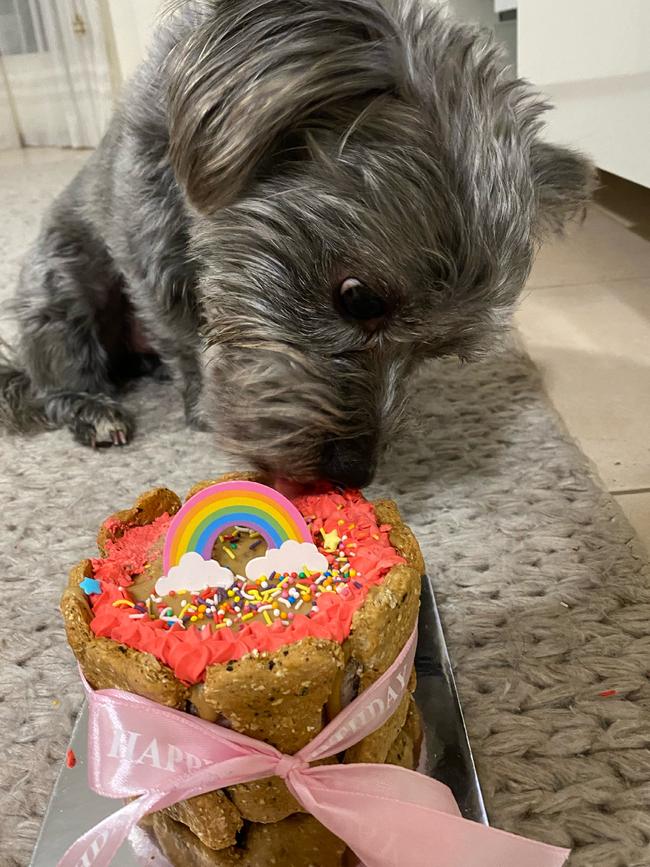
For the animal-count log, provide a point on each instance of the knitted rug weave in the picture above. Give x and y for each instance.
(545, 604)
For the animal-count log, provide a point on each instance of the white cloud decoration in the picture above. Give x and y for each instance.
(193, 573)
(291, 556)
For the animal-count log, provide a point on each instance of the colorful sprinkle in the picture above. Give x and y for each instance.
(90, 585)
(271, 598)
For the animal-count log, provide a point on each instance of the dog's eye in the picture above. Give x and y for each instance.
(355, 300)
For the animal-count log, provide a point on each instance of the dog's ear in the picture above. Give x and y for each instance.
(564, 181)
(253, 73)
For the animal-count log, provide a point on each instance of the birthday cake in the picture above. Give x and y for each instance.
(261, 614)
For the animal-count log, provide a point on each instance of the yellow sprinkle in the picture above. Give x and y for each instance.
(220, 626)
(119, 602)
(194, 618)
(353, 573)
(269, 620)
(302, 587)
(248, 617)
(228, 552)
(306, 571)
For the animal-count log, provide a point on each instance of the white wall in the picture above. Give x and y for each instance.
(592, 58)
(583, 39)
(132, 22)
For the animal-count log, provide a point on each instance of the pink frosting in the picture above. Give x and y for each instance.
(188, 651)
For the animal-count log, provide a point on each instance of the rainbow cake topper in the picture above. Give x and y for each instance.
(196, 527)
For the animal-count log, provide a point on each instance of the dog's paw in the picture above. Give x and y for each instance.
(101, 424)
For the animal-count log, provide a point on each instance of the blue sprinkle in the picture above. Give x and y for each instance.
(90, 585)
(358, 585)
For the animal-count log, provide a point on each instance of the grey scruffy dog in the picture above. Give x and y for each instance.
(297, 202)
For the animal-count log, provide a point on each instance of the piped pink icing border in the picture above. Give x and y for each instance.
(188, 651)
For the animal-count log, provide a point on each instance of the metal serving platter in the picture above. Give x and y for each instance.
(446, 755)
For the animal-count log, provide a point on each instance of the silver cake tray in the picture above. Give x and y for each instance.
(446, 756)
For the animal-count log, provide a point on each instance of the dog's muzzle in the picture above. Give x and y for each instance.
(351, 463)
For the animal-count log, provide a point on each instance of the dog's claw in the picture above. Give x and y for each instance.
(102, 424)
(118, 437)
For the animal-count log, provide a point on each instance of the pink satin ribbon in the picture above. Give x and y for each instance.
(387, 815)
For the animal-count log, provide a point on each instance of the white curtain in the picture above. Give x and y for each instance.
(55, 79)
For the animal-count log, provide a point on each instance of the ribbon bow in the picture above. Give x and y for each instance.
(387, 815)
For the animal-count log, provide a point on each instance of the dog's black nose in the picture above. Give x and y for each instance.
(350, 463)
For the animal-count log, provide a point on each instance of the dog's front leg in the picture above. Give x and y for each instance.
(64, 277)
(190, 376)
(166, 311)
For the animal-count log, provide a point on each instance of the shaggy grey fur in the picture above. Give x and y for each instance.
(266, 151)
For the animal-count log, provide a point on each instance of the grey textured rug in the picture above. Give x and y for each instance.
(545, 604)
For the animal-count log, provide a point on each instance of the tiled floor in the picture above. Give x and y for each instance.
(585, 320)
